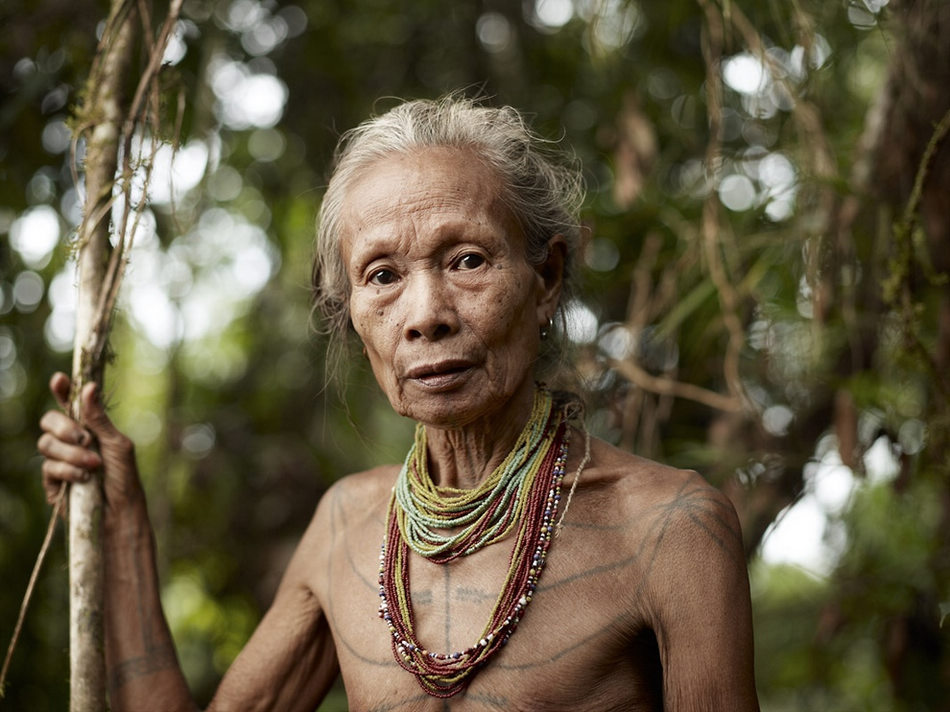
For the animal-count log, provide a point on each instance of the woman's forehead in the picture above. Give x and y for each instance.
(429, 167)
(427, 183)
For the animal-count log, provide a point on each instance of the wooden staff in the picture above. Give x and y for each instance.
(103, 115)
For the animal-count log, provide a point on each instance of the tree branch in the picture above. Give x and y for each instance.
(668, 387)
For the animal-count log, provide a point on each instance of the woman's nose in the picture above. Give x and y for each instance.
(429, 308)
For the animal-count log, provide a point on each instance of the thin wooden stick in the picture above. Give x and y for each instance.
(51, 527)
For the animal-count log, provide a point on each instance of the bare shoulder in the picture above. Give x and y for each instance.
(687, 574)
(641, 484)
(674, 513)
(356, 496)
(370, 484)
(347, 504)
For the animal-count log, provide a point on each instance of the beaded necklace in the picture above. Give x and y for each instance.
(524, 491)
(480, 516)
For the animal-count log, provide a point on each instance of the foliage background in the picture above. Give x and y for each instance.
(765, 296)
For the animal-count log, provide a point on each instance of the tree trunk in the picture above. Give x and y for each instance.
(102, 117)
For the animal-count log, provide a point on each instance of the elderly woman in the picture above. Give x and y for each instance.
(469, 573)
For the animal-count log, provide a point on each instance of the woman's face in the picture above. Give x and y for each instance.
(441, 294)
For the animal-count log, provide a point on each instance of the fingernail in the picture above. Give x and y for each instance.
(83, 438)
(84, 476)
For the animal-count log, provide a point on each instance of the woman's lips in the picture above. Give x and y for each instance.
(440, 376)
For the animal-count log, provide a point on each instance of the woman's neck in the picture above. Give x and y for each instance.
(463, 457)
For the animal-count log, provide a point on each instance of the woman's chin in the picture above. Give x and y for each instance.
(460, 407)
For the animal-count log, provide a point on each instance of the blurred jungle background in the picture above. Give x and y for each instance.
(764, 296)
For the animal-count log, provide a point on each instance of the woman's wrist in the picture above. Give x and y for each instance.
(127, 522)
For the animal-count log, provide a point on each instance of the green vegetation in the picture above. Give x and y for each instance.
(763, 296)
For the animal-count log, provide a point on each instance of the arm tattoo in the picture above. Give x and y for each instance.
(158, 654)
(155, 659)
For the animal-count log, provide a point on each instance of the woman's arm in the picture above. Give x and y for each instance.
(701, 607)
(143, 669)
(289, 662)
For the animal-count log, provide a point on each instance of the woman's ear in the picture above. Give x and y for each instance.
(551, 273)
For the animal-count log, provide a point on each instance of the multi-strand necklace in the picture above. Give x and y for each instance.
(442, 524)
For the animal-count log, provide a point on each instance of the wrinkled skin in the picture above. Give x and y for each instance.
(447, 307)
(644, 603)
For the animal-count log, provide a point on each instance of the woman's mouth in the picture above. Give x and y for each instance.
(441, 376)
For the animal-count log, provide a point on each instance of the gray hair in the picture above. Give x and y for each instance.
(542, 192)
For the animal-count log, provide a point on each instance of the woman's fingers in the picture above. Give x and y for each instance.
(116, 449)
(64, 428)
(96, 424)
(59, 386)
(64, 462)
(65, 459)
(55, 473)
(68, 446)
(94, 414)
(90, 404)
(64, 444)
(77, 455)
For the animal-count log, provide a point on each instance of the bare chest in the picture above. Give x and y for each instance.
(579, 645)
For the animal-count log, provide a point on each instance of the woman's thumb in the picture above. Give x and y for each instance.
(94, 413)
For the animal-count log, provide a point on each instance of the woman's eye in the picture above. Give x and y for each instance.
(470, 261)
(382, 277)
